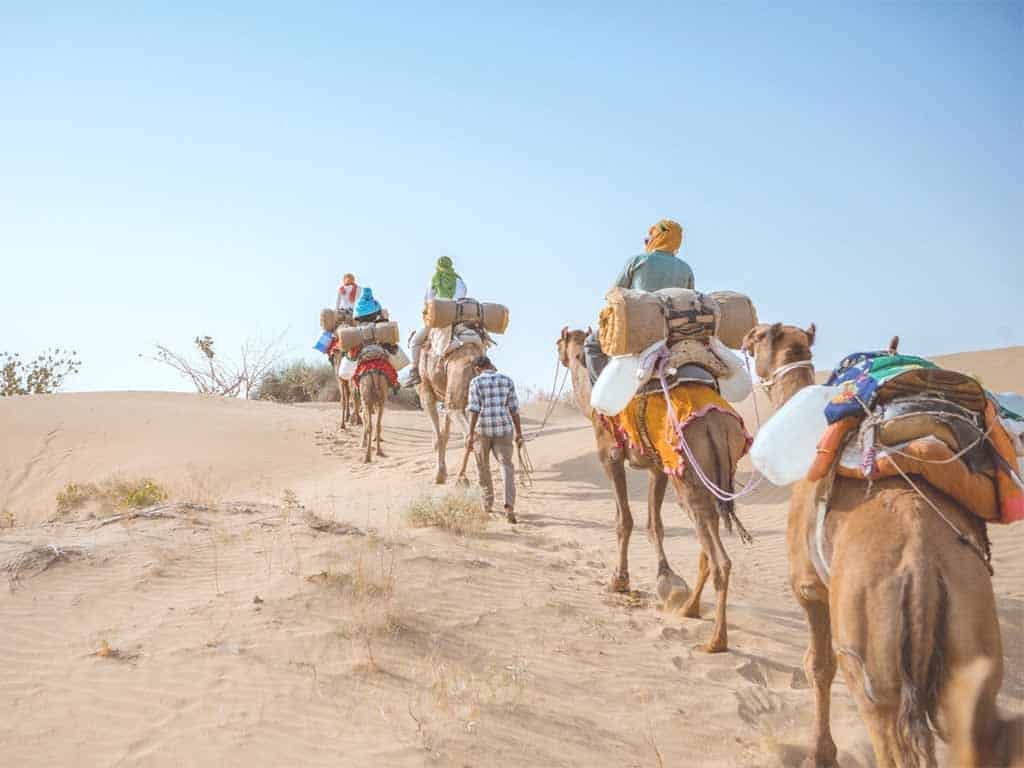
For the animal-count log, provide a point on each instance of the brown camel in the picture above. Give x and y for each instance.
(350, 406)
(447, 384)
(905, 603)
(718, 442)
(373, 391)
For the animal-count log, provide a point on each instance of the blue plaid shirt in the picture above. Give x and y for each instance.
(493, 396)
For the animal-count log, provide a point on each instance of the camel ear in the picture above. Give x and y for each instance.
(565, 333)
(772, 332)
(894, 345)
(811, 331)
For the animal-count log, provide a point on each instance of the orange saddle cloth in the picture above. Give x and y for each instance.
(649, 414)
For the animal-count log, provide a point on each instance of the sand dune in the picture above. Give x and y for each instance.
(285, 614)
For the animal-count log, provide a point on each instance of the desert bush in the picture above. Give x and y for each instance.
(43, 375)
(297, 382)
(457, 511)
(116, 493)
(214, 374)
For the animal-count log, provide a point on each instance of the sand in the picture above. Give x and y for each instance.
(278, 610)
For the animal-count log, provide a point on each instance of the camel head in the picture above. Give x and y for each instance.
(773, 346)
(570, 346)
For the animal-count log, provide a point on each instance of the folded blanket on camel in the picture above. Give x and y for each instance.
(377, 364)
(645, 421)
(869, 379)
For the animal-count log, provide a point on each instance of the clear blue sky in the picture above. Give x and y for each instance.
(168, 170)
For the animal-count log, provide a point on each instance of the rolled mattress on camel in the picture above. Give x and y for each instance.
(736, 317)
(357, 335)
(328, 320)
(442, 313)
(634, 320)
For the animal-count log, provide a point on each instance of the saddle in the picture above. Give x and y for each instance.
(442, 343)
(939, 426)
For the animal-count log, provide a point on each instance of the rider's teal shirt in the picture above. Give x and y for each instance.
(654, 271)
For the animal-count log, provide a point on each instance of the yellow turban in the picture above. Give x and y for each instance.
(666, 235)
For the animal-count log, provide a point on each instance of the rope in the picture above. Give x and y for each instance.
(553, 403)
(986, 557)
(719, 493)
(525, 466)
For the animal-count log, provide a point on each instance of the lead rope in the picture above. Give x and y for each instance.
(707, 482)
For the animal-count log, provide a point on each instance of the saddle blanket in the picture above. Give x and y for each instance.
(649, 413)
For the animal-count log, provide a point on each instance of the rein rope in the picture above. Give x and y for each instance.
(719, 493)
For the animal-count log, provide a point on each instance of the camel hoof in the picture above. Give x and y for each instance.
(715, 646)
(619, 584)
(381, 454)
(463, 482)
(673, 591)
(814, 762)
(441, 478)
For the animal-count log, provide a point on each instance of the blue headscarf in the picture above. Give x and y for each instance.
(367, 305)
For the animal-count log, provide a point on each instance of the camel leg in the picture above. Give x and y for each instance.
(820, 668)
(616, 471)
(691, 609)
(671, 589)
(442, 449)
(367, 428)
(705, 520)
(380, 421)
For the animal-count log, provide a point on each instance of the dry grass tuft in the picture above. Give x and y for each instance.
(367, 583)
(105, 651)
(113, 494)
(457, 511)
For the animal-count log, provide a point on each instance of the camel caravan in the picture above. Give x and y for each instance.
(897, 468)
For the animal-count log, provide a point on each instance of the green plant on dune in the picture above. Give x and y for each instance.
(42, 375)
(116, 493)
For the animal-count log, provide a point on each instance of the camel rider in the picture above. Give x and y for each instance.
(368, 309)
(656, 268)
(348, 292)
(445, 284)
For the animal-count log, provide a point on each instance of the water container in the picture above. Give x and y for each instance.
(324, 342)
(785, 446)
(347, 368)
(399, 360)
(736, 386)
(616, 385)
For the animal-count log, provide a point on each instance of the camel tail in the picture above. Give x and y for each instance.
(922, 665)
(724, 478)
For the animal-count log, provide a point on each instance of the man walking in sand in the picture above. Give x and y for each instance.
(494, 419)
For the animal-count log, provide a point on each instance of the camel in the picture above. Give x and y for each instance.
(373, 391)
(447, 383)
(350, 405)
(718, 441)
(905, 604)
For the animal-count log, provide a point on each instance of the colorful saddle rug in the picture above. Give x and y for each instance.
(899, 414)
(646, 426)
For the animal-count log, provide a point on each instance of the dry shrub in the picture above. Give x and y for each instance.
(43, 375)
(367, 583)
(112, 494)
(298, 382)
(457, 511)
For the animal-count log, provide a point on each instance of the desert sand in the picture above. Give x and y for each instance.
(278, 610)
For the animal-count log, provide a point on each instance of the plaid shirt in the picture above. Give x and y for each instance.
(493, 396)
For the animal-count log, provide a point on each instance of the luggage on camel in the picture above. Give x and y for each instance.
(886, 415)
(633, 320)
(357, 335)
(442, 313)
(329, 320)
(736, 317)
